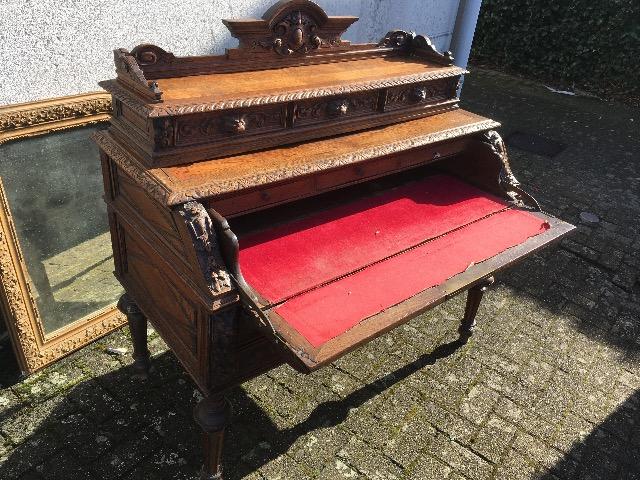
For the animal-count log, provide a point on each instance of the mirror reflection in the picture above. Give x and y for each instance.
(54, 189)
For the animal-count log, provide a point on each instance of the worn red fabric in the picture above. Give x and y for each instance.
(310, 263)
(292, 258)
(326, 312)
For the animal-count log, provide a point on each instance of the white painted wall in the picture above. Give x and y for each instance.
(51, 48)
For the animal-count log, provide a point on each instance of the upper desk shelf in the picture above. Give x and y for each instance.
(292, 78)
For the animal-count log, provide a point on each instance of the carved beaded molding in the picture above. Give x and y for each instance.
(162, 110)
(37, 118)
(165, 195)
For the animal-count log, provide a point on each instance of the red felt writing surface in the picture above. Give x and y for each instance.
(328, 311)
(292, 258)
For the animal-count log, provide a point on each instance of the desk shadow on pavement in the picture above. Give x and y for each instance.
(113, 426)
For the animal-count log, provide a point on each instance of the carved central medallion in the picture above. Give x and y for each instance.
(289, 28)
(296, 33)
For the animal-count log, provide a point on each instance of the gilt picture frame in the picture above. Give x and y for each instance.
(34, 345)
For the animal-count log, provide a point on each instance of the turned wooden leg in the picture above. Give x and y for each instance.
(138, 328)
(474, 297)
(212, 414)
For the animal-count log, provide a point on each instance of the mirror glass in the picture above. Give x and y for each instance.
(54, 189)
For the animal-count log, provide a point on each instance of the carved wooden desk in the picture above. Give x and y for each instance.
(299, 196)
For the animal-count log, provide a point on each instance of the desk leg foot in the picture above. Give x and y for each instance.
(138, 328)
(213, 414)
(474, 297)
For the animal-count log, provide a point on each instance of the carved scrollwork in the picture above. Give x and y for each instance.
(128, 68)
(294, 27)
(205, 127)
(296, 33)
(165, 132)
(148, 54)
(507, 179)
(43, 117)
(338, 108)
(397, 39)
(318, 111)
(419, 94)
(418, 45)
(235, 124)
(206, 245)
(223, 332)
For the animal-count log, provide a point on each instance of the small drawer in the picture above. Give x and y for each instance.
(230, 125)
(335, 109)
(420, 94)
(257, 199)
(354, 173)
(433, 153)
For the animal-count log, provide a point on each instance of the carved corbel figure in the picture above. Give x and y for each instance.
(206, 245)
(508, 181)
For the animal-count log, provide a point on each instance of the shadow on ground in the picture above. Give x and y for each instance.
(154, 437)
(610, 451)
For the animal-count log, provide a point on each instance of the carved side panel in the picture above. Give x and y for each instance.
(203, 128)
(335, 108)
(158, 217)
(224, 332)
(160, 294)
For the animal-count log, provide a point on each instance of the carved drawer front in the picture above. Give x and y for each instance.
(416, 95)
(256, 199)
(433, 153)
(232, 125)
(334, 109)
(355, 173)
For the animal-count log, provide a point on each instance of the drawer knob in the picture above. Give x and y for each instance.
(265, 195)
(419, 94)
(437, 155)
(359, 171)
(235, 124)
(338, 108)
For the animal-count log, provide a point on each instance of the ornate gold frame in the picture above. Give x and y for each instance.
(35, 349)
(38, 118)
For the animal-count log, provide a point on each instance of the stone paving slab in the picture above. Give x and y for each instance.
(547, 389)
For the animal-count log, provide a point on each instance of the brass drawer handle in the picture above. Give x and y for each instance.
(235, 124)
(338, 108)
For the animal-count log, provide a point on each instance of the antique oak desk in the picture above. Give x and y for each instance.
(299, 196)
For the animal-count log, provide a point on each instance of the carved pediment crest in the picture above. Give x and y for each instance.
(291, 27)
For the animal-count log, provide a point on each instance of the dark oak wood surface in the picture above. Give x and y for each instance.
(204, 149)
(347, 76)
(240, 173)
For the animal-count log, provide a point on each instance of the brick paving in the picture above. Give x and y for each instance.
(548, 388)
